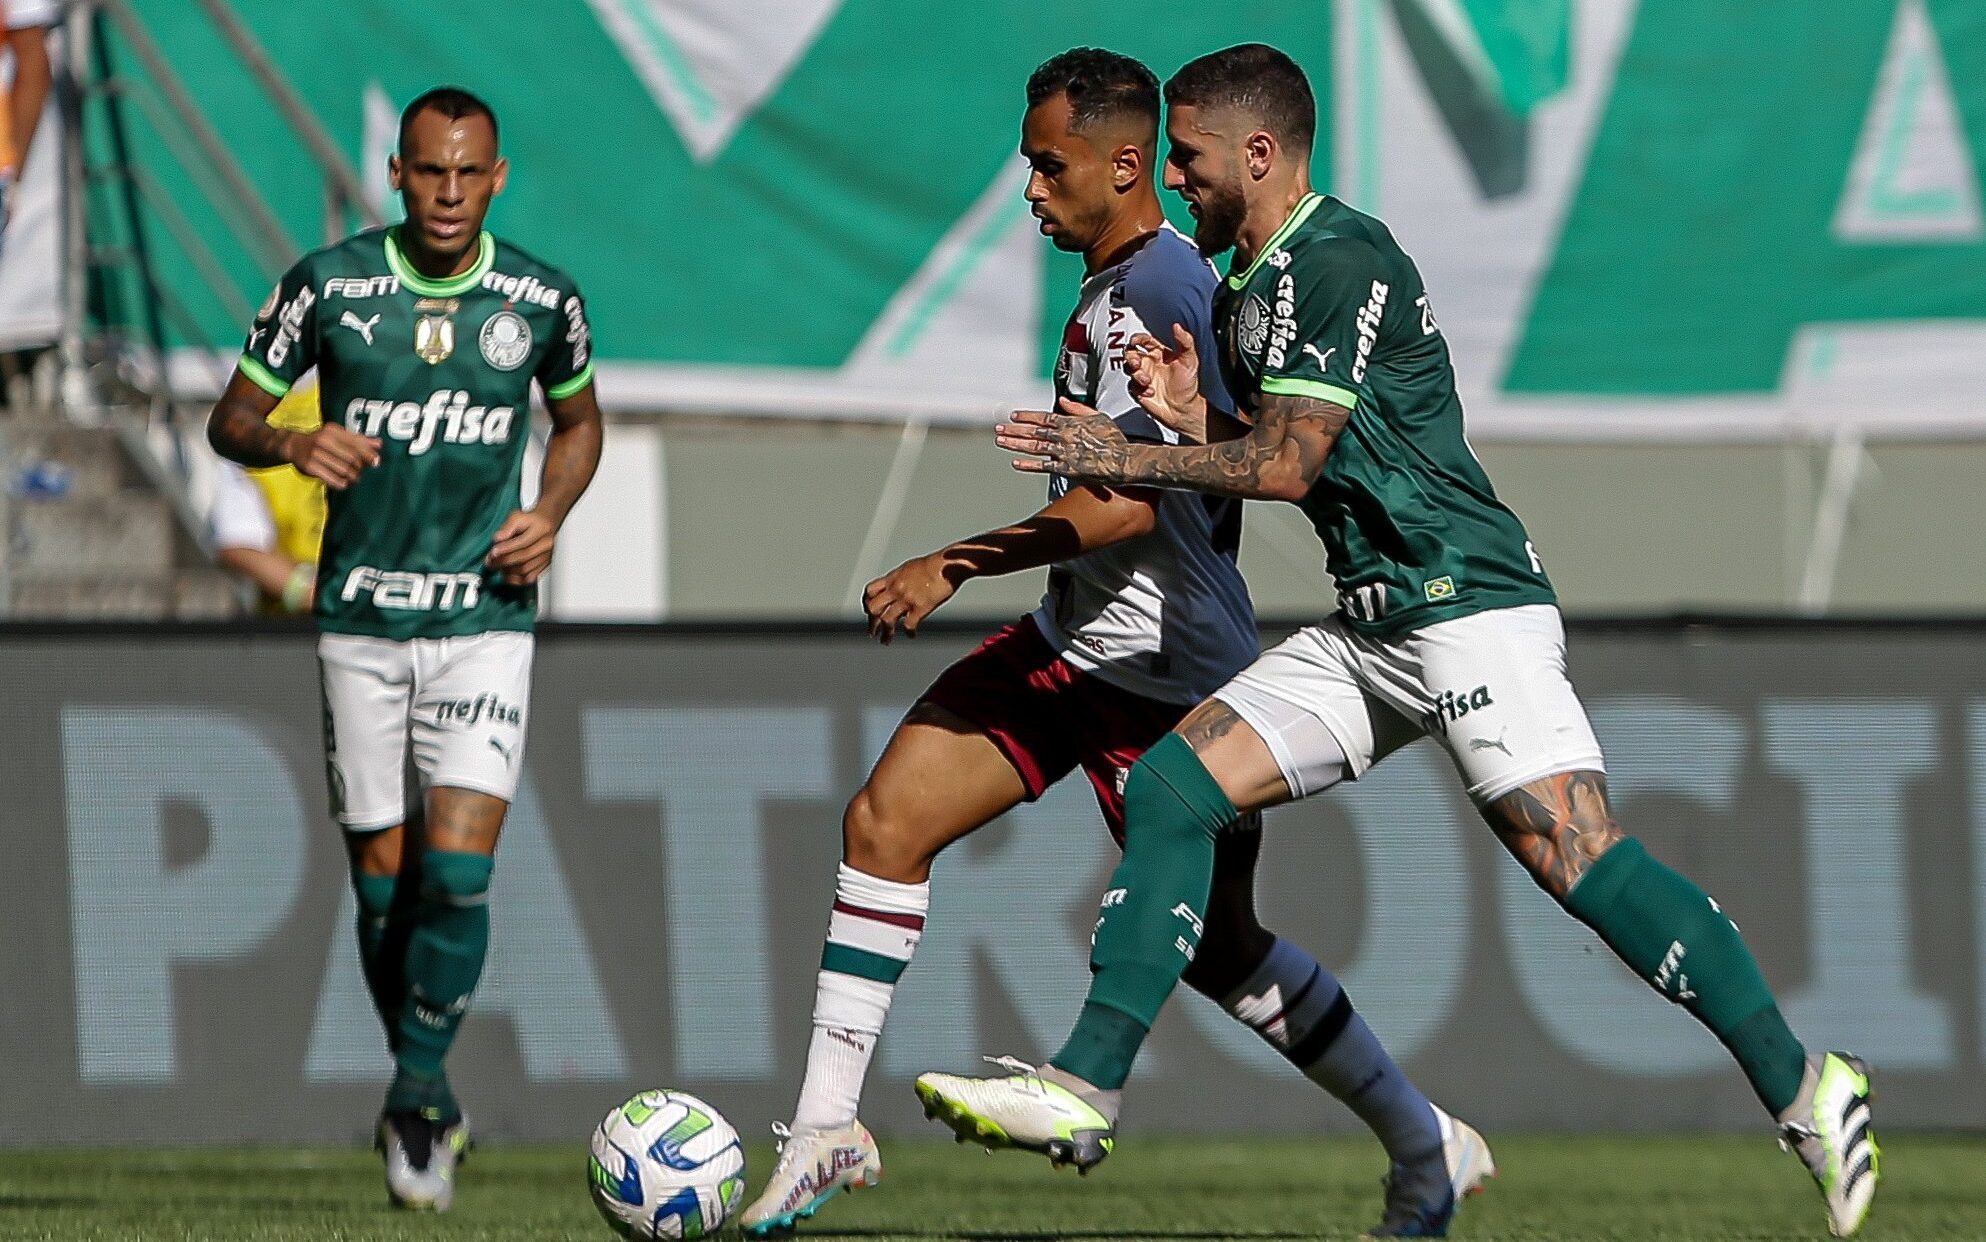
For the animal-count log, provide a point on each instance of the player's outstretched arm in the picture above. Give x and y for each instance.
(523, 547)
(239, 430)
(1279, 458)
(1082, 520)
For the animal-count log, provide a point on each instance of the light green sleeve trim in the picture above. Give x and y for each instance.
(1283, 386)
(561, 391)
(265, 379)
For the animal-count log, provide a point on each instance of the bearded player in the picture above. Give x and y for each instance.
(427, 338)
(1447, 627)
(1145, 614)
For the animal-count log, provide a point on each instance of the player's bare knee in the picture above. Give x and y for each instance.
(876, 841)
(464, 821)
(377, 852)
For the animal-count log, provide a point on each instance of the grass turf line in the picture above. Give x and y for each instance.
(1612, 1189)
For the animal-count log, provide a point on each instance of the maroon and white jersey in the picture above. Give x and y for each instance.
(1165, 615)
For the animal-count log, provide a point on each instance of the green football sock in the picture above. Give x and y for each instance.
(444, 960)
(1674, 936)
(1152, 911)
(382, 957)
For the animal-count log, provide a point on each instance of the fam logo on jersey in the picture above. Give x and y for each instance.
(1368, 328)
(361, 286)
(269, 305)
(505, 340)
(446, 415)
(401, 590)
(1452, 705)
(434, 329)
(1252, 331)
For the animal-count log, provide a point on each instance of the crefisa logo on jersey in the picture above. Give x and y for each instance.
(1282, 329)
(1367, 322)
(1452, 705)
(446, 416)
(505, 340)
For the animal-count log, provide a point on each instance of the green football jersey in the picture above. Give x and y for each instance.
(1332, 308)
(440, 372)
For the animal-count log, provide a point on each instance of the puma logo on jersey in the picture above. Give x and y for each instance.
(1496, 743)
(363, 327)
(1323, 359)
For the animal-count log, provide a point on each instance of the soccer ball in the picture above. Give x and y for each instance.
(666, 1165)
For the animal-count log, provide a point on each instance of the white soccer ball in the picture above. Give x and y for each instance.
(666, 1165)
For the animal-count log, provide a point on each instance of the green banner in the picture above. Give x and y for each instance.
(1686, 217)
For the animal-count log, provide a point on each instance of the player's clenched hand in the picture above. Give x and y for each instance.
(903, 597)
(1165, 381)
(523, 548)
(333, 454)
(1075, 441)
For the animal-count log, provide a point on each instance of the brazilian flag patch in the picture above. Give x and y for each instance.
(1439, 589)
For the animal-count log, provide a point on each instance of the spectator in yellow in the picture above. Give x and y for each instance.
(267, 523)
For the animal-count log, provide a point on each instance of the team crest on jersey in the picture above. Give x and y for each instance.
(506, 340)
(1252, 330)
(434, 329)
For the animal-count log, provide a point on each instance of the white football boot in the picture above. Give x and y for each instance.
(1469, 1164)
(421, 1155)
(1024, 1110)
(1829, 1130)
(1469, 1161)
(814, 1166)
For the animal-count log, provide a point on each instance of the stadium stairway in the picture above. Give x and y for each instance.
(93, 530)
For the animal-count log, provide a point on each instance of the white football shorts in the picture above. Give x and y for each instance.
(1491, 688)
(461, 702)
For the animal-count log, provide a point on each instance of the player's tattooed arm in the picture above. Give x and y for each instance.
(239, 427)
(1082, 520)
(1279, 459)
(1557, 827)
(522, 550)
(239, 430)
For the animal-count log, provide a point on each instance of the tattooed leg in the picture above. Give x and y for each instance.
(1240, 762)
(1664, 927)
(1557, 827)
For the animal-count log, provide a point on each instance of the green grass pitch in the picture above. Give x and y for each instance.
(1624, 1189)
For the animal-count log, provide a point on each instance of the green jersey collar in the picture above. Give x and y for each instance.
(414, 281)
(1304, 206)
